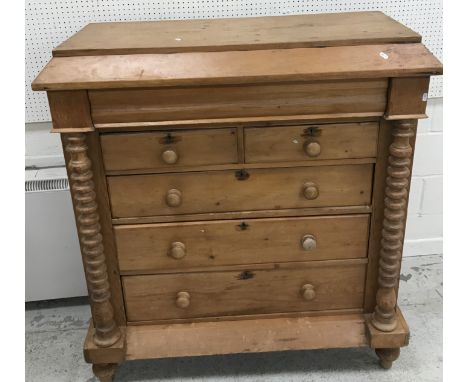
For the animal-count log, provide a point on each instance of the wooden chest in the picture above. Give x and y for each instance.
(240, 185)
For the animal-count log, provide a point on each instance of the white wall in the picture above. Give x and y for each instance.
(424, 227)
(43, 149)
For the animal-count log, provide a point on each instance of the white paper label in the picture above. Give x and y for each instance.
(383, 55)
(424, 97)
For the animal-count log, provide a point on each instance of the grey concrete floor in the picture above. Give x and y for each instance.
(55, 331)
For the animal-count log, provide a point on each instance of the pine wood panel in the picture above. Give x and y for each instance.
(153, 297)
(236, 67)
(147, 105)
(288, 143)
(239, 122)
(294, 212)
(233, 242)
(407, 98)
(140, 151)
(236, 34)
(70, 111)
(240, 166)
(247, 336)
(222, 191)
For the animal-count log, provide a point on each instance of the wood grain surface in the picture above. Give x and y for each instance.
(140, 151)
(288, 143)
(340, 286)
(223, 191)
(237, 67)
(247, 336)
(316, 30)
(147, 247)
(214, 102)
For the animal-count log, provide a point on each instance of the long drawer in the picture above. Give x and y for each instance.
(180, 246)
(367, 96)
(240, 190)
(190, 295)
(310, 142)
(138, 151)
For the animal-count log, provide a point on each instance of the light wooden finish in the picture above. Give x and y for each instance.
(397, 338)
(240, 122)
(309, 242)
(162, 104)
(222, 191)
(236, 67)
(247, 336)
(313, 142)
(179, 246)
(214, 294)
(177, 250)
(89, 231)
(111, 354)
(245, 166)
(105, 372)
(240, 185)
(407, 98)
(396, 199)
(105, 221)
(387, 356)
(169, 149)
(70, 112)
(308, 292)
(354, 28)
(287, 212)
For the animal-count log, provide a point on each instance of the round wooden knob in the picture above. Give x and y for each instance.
(169, 156)
(177, 250)
(309, 242)
(308, 292)
(310, 191)
(183, 300)
(174, 198)
(312, 148)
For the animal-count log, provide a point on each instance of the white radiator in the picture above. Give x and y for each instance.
(53, 261)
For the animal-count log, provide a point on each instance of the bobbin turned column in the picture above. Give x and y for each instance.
(396, 201)
(83, 193)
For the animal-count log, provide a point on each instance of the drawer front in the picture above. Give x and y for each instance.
(138, 151)
(217, 102)
(310, 142)
(236, 190)
(179, 246)
(322, 287)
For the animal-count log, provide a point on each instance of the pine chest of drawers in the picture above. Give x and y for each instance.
(240, 185)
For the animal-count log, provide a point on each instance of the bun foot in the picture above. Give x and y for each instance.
(387, 356)
(105, 372)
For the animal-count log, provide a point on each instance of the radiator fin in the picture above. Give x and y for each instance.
(46, 185)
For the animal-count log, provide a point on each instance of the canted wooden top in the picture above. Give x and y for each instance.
(237, 51)
(278, 32)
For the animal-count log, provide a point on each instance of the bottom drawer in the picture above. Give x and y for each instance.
(306, 287)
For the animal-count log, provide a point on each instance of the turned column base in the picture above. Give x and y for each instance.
(383, 326)
(387, 356)
(105, 372)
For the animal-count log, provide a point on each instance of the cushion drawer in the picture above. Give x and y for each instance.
(190, 295)
(179, 246)
(295, 143)
(236, 190)
(367, 96)
(138, 151)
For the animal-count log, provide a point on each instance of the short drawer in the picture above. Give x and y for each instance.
(179, 246)
(141, 151)
(310, 142)
(240, 190)
(214, 294)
